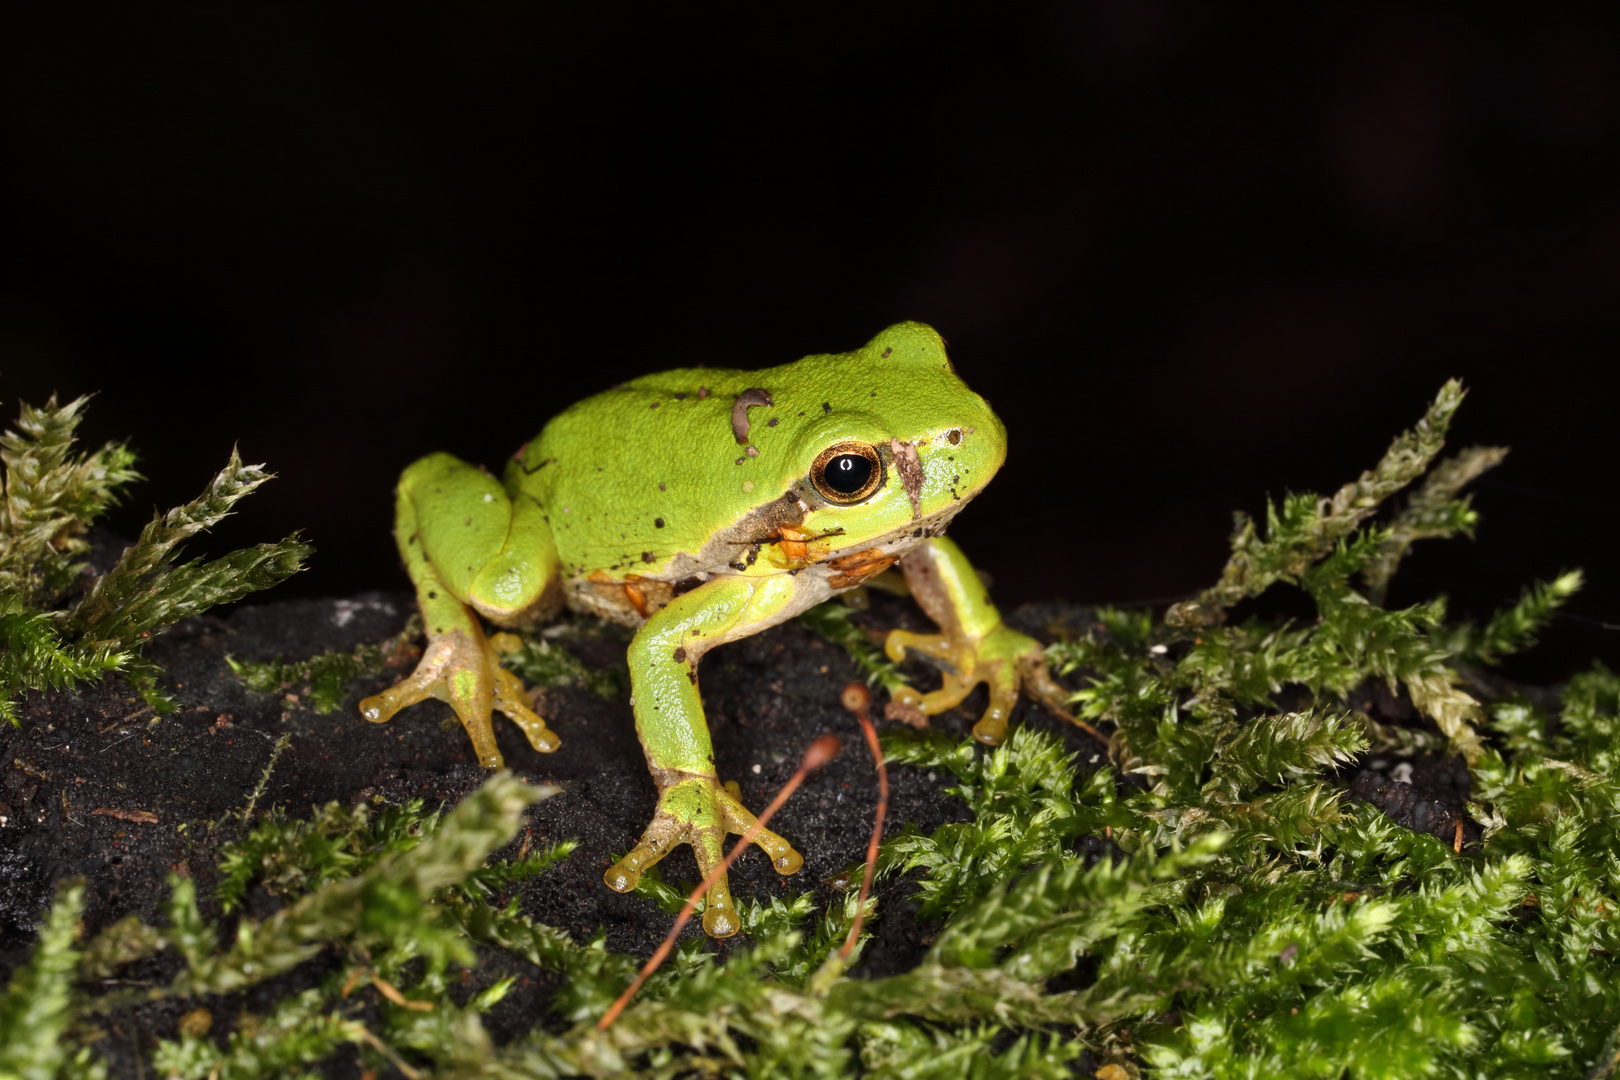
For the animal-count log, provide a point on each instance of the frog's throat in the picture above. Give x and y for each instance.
(630, 601)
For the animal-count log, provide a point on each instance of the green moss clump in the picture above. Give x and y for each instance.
(831, 621)
(323, 681)
(53, 493)
(541, 661)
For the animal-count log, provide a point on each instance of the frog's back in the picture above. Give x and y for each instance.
(636, 480)
(635, 475)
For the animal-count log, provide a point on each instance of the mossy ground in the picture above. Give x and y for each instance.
(768, 697)
(1310, 847)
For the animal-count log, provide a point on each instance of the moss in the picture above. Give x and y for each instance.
(53, 493)
(540, 660)
(324, 680)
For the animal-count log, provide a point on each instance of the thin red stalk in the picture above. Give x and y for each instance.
(820, 752)
(857, 699)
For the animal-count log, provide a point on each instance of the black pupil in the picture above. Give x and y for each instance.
(848, 473)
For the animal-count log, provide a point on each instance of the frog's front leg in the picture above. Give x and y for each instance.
(470, 549)
(694, 807)
(974, 645)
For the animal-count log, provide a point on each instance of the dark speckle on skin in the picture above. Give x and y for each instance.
(680, 397)
(887, 351)
(654, 405)
(772, 422)
(658, 523)
(680, 654)
(647, 556)
(660, 487)
(826, 407)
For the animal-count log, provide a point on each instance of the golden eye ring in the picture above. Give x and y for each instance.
(847, 472)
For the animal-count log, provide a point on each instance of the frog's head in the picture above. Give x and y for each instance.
(889, 440)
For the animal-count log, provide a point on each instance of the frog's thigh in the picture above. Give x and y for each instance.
(948, 590)
(490, 549)
(664, 655)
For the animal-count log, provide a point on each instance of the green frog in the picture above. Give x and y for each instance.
(700, 506)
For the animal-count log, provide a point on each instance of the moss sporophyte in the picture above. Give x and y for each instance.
(1204, 899)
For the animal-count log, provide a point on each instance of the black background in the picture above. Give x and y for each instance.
(1194, 254)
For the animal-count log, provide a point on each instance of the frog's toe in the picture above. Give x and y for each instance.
(1039, 684)
(661, 837)
(720, 918)
(992, 726)
(938, 649)
(420, 685)
(739, 820)
(510, 701)
(948, 696)
(786, 860)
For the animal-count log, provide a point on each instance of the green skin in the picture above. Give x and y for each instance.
(687, 504)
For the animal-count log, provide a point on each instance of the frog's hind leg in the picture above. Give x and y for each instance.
(469, 550)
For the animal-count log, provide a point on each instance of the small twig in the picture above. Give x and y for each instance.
(857, 699)
(143, 817)
(125, 720)
(820, 752)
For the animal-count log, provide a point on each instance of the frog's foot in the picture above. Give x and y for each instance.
(462, 669)
(699, 810)
(1003, 659)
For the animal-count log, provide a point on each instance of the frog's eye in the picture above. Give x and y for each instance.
(847, 472)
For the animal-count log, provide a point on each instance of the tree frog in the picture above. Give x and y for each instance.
(700, 506)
